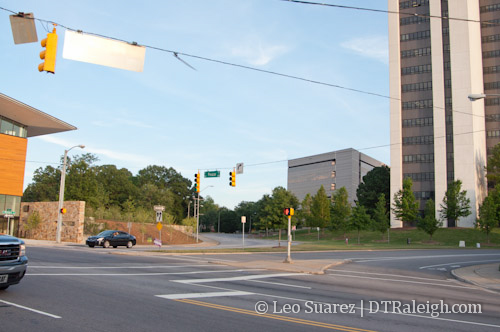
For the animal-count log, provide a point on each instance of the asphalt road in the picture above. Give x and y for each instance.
(82, 289)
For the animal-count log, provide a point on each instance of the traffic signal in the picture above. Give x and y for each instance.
(49, 54)
(232, 179)
(63, 210)
(289, 211)
(197, 182)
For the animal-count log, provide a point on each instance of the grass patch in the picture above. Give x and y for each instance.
(444, 238)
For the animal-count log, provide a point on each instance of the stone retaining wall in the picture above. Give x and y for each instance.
(72, 221)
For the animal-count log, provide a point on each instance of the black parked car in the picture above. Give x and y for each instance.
(111, 238)
(13, 260)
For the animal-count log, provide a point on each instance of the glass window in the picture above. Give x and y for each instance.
(16, 130)
(6, 127)
(23, 132)
(13, 203)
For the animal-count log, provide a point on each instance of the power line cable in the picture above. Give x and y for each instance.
(389, 11)
(177, 53)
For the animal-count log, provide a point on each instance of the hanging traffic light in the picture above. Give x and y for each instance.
(63, 210)
(232, 178)
(197, 182)
(49, 54)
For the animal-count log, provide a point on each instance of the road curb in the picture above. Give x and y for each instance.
(468, 274)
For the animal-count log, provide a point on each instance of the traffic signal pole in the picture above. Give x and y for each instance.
(197, 216)
(288, 258)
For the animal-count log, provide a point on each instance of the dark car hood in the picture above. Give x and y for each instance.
(10, 239)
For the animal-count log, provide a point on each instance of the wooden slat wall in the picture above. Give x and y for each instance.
(12, 163)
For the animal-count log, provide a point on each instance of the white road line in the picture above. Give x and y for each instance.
(251, 277)
(30, 309)
(405, 281)
(490, 260)
(366, 309)
(138, 274)
(391, 275)
(115, 267)
(190, 259)
(364, 260)
(200, 295)
(280, 284)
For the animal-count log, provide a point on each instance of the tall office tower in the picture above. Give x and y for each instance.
(437, 134)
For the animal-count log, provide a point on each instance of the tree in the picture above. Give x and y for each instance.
(320, 209)
(45, 185)
(429, 223)
(405, 206)
(375, 182)
(340, 210)
(117, 183)
(229, 222)
(493, 166)
(359, 219)
(82, 183)
(488, 216)
(272, 213)
(34, 221)
(167, 179)
(249, 210)
(304, 214)
(209, 213)
(381, 220)
(455, 202)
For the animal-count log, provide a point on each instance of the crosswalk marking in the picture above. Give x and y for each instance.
(200, 295)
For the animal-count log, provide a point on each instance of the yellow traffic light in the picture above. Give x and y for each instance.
(63, 210)
(232, 178)
(49, 54)
(197, 182)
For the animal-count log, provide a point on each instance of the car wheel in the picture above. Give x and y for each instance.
(3, 287)
(91, 245)
(129, 244)
(115, 246)
(105, 244)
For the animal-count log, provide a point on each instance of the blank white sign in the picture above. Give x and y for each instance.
(103, 51)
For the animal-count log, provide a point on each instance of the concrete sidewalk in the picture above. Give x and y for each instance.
(486, 275)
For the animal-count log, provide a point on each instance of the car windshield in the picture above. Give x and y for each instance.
(105, 233)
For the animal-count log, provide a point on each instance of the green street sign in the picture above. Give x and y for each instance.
(9, 211)
(212, 174)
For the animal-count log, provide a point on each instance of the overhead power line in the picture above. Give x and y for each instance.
(176, 54)
(388, 11)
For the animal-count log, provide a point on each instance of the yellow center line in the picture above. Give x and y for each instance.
(271, 316)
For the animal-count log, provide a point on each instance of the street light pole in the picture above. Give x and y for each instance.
(61, 193)
(198, 214)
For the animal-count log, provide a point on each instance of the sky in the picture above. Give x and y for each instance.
(215, 115)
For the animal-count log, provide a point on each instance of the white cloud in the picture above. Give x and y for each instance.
(121, 122)
(375, 47)
(257, 53)
(128, 157)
